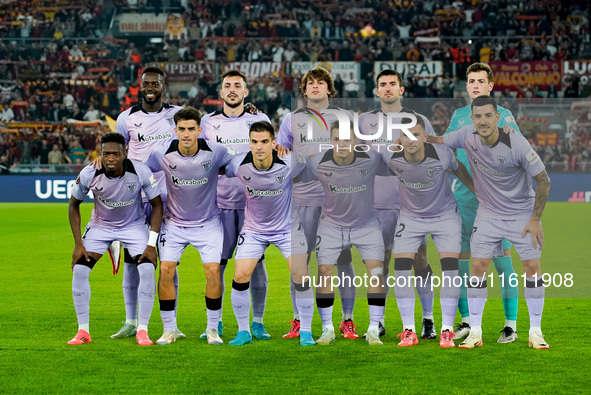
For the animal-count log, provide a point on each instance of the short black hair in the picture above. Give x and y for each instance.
(113, 138)
(186, 114)
(262, 126)
(153, 69)
(483, 101)
(386, 72)
(234, 73)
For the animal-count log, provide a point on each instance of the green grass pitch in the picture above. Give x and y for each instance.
(37, 318)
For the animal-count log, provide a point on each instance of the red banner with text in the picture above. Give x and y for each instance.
(517, 75)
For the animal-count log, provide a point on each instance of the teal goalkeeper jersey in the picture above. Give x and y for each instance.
(461, 118)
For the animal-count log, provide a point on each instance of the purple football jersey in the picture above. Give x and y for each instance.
(117, 201)
(424, 187)
(144, 131)
(267, 191)
(348, 189)
(502, 172)
(304, 131)
(232, 132)
(386, 189)
(191, 181)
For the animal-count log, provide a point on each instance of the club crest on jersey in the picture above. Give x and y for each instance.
(280, 178)
(502, 160)
(170, 120)
(131, 186)
(363, 171)
(206, 164)
(431, 171)
(249, 124)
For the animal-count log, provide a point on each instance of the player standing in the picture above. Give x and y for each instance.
(503, 166)
(268, 185)
(479, 81)
(191, 166)
(230, 126)
(389, 89)
(317, 86)
(428, 207)
(118, 215)
(145, 127)
(347, 177)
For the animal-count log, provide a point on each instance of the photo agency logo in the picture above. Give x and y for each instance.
(378, 134)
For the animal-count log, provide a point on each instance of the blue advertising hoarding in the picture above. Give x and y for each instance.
(57, 188)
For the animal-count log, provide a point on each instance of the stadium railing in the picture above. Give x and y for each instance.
(47, 169)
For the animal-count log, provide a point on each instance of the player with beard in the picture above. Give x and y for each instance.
(389, 90)
(230, 126)
(145, 126)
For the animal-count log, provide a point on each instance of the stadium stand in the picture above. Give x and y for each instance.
(67, 64)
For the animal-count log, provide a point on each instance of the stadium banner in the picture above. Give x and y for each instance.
(349, 71)
(544, 139)
(185, 71)
(419, 69)
(581, 68)
(142, 23)
(41, 188)
(573, 187)
(516, 75)
(254, 70)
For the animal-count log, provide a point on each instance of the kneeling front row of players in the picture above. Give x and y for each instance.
(508, 209)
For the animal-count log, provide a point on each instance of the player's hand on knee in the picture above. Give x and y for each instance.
(150, 254)
(535, 228)
(78, 252)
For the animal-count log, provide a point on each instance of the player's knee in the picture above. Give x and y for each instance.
(212, 272)
(242, 276)
(325, 270)
(531, 267)
(167, 270)
(82, 261)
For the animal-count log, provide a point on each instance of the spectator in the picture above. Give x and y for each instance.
(76, 154)
(7, 114)
(5, 166)
(91, 114)
(55, 156)
(94, 154)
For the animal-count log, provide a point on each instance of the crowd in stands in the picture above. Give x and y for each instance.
(58, 65)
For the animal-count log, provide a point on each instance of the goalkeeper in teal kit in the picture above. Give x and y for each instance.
(479, 81)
